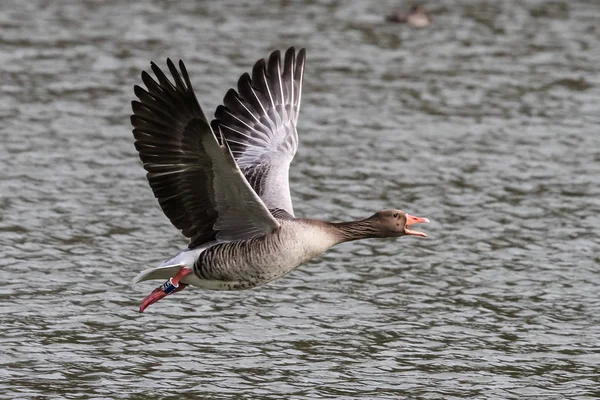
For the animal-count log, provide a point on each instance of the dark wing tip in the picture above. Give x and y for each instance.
(300, 61)
(302, 54)
(172, 69)
(260, 64)
(244, 79)
(289, 60)
(139, 91)
(184, 74)
(229, 97)
(275, 56)
(145, 77)
(274, 71)
(258, 71)
(156, 69)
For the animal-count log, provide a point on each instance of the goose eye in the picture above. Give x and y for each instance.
(395, 215)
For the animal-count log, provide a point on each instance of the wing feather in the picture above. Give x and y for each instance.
(196, 180)
(259, 122)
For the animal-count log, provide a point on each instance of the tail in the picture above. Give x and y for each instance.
(171, 267)
(161, 272)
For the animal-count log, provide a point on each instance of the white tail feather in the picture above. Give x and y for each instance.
(162, 272)
(169, 268)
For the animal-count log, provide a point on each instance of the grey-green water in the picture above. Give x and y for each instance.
(487, 122)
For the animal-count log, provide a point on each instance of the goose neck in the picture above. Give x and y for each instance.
(355, 230)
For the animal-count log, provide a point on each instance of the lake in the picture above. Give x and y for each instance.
(487, 122)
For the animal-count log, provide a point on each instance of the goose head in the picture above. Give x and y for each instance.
(394, 223)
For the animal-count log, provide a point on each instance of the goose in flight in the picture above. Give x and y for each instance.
(224, 184)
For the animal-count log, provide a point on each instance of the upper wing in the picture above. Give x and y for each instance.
(195, 179)
(259, 123)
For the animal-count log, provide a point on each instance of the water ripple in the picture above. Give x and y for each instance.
(484, 122)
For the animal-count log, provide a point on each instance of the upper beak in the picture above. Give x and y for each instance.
(410, 220)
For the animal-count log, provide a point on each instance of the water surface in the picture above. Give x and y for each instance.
(487, 122)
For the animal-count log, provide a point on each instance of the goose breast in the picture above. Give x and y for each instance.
(244, 264)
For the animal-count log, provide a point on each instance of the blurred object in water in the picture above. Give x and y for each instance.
(416, 16)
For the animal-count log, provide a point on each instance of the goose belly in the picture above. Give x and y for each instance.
(248, 263)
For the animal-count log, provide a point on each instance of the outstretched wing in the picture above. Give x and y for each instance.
(196, 180)
(259, 123)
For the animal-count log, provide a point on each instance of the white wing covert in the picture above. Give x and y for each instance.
(259, 124)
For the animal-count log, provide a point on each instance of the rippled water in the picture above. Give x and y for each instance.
(487, 122)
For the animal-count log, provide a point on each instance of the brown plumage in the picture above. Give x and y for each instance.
(225, 185)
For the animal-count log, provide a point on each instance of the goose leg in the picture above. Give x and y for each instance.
(169, 287)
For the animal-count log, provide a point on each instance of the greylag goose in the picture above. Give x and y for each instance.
(224, 184)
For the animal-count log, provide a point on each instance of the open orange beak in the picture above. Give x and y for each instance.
(410, 220)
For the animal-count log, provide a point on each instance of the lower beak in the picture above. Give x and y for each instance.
(411, 220)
